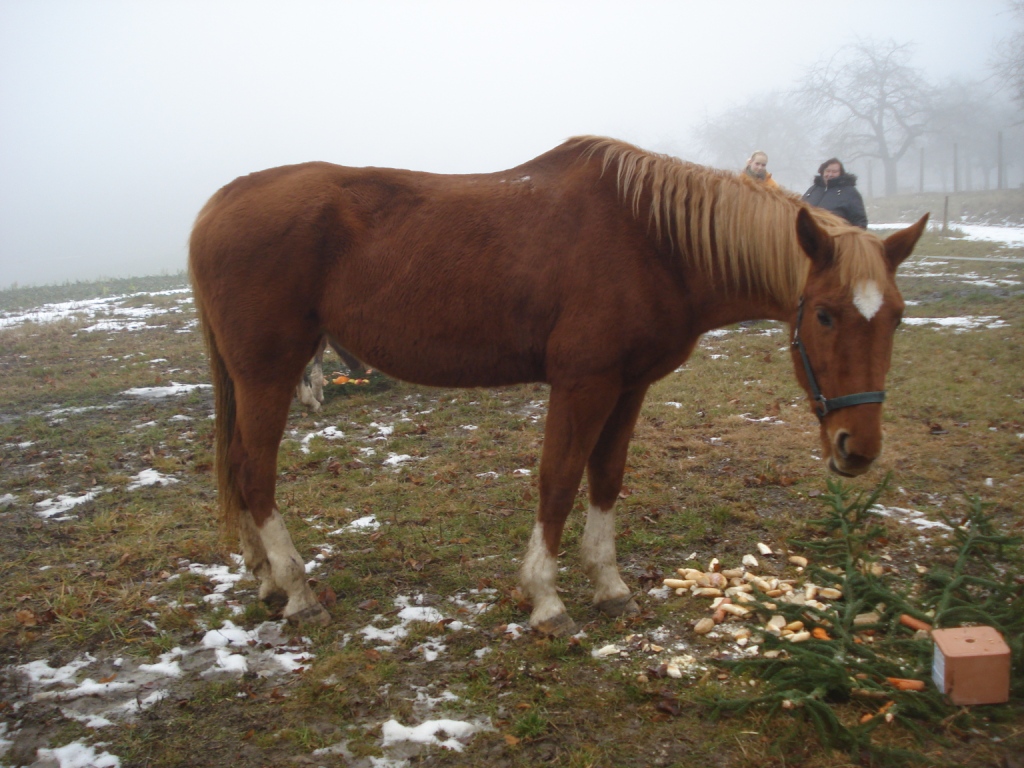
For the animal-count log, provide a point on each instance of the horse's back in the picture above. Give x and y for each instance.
(453, 280)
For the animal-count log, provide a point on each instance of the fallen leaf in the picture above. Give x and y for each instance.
(327, 597)
(521, 601)
(669, 706)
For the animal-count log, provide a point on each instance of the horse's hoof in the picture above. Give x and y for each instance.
(618, 606)
(557, 626)
(314, 614)
(275, 599)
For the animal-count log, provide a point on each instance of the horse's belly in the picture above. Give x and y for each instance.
(445, 362)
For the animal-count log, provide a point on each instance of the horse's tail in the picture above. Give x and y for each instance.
(229, 489)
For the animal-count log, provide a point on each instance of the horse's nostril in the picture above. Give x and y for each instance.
(841, 442)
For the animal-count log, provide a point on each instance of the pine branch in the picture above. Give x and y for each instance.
(806, 680)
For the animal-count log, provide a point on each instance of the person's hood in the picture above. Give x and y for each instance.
(843, 180)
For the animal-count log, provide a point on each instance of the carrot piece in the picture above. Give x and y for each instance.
(903, 684)
(909, 621)
(881, 711)
(820, 634)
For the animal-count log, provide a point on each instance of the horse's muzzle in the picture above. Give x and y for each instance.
(844, 457)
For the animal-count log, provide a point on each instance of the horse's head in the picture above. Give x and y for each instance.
(843, 331)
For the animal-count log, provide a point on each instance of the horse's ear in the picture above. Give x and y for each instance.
(899, 245)
(815, 241)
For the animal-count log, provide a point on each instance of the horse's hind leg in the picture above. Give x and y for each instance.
(575, 419)
(355, 367)
(605, 469)
(262, 410)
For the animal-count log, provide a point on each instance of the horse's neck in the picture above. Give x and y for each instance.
(717, 308)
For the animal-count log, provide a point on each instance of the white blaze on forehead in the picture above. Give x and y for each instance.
(867, 298)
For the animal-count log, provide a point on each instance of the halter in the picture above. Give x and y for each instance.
(823, 405)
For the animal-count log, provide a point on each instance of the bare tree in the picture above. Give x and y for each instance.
(968, 116)
(774, 123)
(1008, 62)
(877, 104)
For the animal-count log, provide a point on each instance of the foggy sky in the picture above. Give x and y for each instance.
(119, 119)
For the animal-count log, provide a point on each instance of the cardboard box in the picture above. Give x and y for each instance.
(971, 665)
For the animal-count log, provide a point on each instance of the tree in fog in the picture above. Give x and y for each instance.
(774, 123)
(1008, 62)
(876, 103)
(966, 115)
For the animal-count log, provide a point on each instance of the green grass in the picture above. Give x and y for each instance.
(15, 298)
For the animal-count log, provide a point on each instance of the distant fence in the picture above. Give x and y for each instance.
(1004, 207)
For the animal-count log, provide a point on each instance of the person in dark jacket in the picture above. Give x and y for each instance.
(836, 190)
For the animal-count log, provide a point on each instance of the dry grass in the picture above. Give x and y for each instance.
(705, 477)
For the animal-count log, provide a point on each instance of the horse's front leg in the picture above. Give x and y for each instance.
(574, 422)
(605, 469)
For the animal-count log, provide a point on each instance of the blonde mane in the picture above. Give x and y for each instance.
(732, 229)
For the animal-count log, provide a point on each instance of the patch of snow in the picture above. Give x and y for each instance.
(158, 393)
(1008, 235)
(89, 721)
(328, 433)
(984, 232)
(909, 516)
(960, 324)
(41, 673)
(407, 614)
(79, 755)
(149, 477)
(457, 733)
(360, 525)
(168, 666)
(62, 503)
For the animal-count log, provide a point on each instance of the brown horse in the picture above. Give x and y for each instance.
(595, 268)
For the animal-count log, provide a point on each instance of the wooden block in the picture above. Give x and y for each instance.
(971, 665)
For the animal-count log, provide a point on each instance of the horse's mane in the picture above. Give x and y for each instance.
(731, 228)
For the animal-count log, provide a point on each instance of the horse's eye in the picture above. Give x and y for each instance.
(824, 318)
